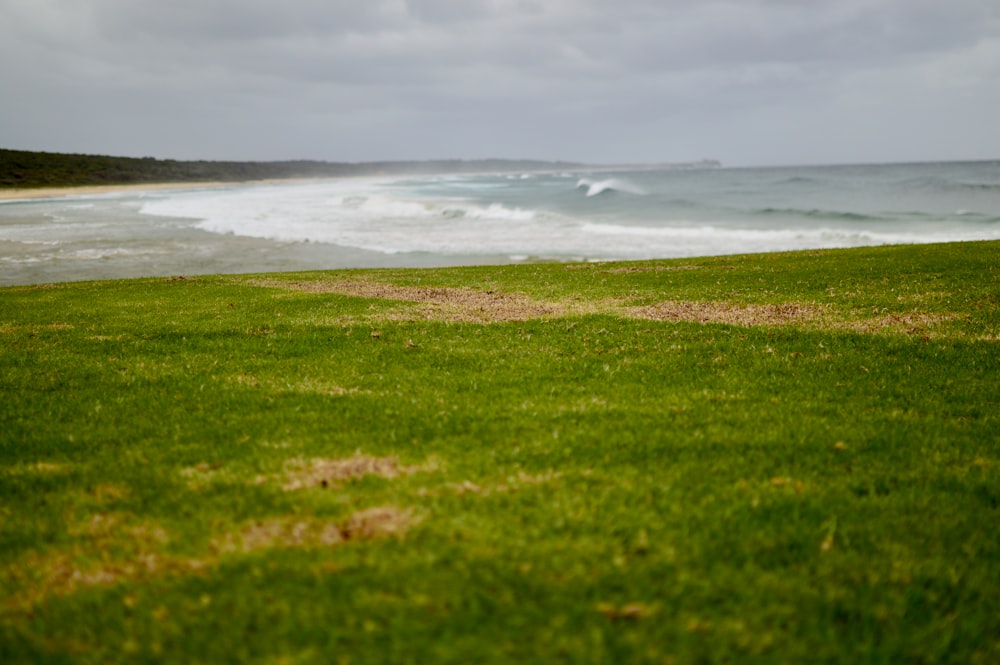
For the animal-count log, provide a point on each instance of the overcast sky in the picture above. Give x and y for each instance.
(744, 81)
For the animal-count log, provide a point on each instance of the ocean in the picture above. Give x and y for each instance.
(439, 220)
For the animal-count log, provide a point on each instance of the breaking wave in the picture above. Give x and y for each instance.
(596, 188)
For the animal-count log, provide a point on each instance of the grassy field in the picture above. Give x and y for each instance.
(750, 459)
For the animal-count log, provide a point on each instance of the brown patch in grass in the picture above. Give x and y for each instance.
(111, 549)
(42, 576)
(107, 549)
(303, 385)
(33, 329)
(287, 533)
(510, 484)
(40, 468)
(471, 305)
(326, 473)
(441, 303)
(103, 529)
(626, 270)
(282, 532)
(729, 313)
(912, 323)
(628, 612)
(202, 474)
(108, 493)
(379, 522)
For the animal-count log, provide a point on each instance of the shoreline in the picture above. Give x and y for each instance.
(32, 193)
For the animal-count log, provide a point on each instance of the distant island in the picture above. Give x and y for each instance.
(22, 169)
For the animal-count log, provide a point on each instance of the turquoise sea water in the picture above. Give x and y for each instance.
(621, 213)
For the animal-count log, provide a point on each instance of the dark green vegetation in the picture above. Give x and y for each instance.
(779, 458)
(25, 169)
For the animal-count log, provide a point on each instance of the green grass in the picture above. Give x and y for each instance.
(587, 476)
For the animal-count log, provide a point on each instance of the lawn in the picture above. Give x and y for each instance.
(747, 459)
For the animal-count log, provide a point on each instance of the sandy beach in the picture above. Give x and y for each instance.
(62, 192)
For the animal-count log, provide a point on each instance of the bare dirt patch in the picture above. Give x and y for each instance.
(330, 473)
(729, 313)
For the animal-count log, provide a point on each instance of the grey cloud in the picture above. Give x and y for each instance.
(522, 75)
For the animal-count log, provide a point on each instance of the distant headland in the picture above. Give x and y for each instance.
(22, 169)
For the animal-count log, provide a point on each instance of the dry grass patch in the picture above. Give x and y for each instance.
(280, 532)
(441, 303)
(40, 577)
(627, 612)
(628, 270)
(319, 387)
(107, 549)
(201, 475)
(808, 315)
(37, 468)
(476, 306)
(112, 549)
(105, 529)
(729, 313)
(912, 323)
(289, 533)
(33, 329)
(304, 385)
(328, 473)
(379, 522)
(511, 483)
(302, 473)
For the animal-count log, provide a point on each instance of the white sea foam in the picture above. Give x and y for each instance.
(642, 241)
(400, 218)
(361, 215)
(441, 220)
